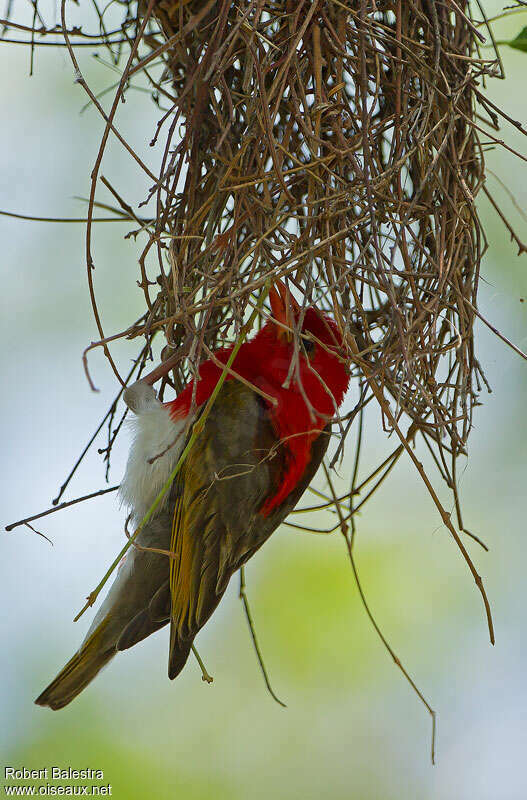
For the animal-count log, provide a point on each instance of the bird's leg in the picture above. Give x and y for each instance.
(204, 674)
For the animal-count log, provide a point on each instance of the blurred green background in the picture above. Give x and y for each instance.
(352, 727)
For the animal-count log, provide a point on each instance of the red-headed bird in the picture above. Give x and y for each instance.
(246, 471)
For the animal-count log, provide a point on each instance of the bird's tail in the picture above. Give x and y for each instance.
(78, 672)
(178, 654)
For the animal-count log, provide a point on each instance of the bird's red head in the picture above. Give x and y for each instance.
(321, 366)
(320, 374)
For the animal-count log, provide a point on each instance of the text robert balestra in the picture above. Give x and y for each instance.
(53, 773)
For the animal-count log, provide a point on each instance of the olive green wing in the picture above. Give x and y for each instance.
(225, 478)
(235, 464)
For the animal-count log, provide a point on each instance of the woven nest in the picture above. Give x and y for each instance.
(336, 145)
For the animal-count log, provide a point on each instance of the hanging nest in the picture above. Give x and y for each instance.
(338, 146)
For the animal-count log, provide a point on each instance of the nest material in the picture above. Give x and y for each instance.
(335, 144)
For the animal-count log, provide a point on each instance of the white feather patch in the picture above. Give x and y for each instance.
(157, 444)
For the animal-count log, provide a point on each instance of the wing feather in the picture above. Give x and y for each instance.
(216, 525)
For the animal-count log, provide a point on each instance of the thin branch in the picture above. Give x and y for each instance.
(386, 644)
(243, 597)
(60, 507)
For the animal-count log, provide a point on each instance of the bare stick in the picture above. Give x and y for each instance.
(98, 429)
(248, 615)
(397, 661)
(60, 507)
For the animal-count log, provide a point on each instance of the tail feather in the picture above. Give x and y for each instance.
(77, 674)
(179, 653)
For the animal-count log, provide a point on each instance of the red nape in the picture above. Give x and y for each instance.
(265, 362)
(209, 375)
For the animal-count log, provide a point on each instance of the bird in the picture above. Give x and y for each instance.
(260, 446)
